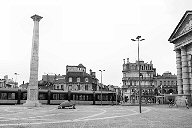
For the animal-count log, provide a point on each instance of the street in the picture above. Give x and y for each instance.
(86, 116)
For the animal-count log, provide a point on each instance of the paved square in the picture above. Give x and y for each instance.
(86, 116)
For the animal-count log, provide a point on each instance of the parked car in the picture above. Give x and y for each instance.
(67, 104)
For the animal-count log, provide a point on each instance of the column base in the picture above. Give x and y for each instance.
(34, 103)
(180, 100)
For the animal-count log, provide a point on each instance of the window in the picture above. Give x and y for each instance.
(86, 80)
(86, 87)
(11, 96)
(78, 87)
(69, 87)
(3, 96)
(78, 79)
(42, 96)
(24, 96)
(55, 97)
(62, 87)
(63, 97)
(70, 79)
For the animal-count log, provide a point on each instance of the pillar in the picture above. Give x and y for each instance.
(32, 90)
(179, 72)
(185, 72)
(190, 72)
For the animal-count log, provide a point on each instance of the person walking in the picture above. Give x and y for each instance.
(186, 102)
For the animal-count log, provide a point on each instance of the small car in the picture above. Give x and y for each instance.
(66, 104)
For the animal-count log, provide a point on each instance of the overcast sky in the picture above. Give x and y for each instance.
(95, 33)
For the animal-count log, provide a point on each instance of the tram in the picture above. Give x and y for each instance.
(53, 97)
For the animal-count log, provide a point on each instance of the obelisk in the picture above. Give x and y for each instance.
(32, 90)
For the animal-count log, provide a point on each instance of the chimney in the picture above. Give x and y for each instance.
(90, 72)
(124, 61)
(127, 60)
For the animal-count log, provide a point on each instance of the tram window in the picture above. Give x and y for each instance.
(74, 97)
(11, 96)
(99, 97)
(55, 96)
(3, 96)
(62, 96)
(24, 97)
(77, 97)
(80, 97)
(42, 96)
(104, 98)
(89, 97)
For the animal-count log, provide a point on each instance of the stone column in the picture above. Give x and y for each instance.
(32, 90)
(179, 72)
(185, 72)
(190, 72)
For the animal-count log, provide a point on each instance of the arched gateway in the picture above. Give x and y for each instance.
(182, 39)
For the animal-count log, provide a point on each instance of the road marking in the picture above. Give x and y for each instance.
(88, 118)
(104, 111)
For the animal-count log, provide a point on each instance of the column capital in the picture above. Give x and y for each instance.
(183, 48)
(36, 17)
(177, 50)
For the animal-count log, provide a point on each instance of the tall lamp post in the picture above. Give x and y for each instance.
(16, 74)
(101, 85)
(138, 40)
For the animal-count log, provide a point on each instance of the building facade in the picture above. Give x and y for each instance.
(182, 40)
(166, 83)
(8, 83)
(2, 83)
(78, 80)
(130, 88)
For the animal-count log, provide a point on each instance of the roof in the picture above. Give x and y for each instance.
(84, 74)
(60, 81)
(80, 65)
(178, 27)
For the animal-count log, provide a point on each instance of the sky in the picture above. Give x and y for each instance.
(95, 33)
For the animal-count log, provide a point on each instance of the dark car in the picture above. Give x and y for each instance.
(66, 104)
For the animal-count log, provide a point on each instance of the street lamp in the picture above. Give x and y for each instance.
(16, 78)
(101, 85)
(138, 39)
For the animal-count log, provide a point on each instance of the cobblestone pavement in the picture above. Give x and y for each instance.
(85, 116)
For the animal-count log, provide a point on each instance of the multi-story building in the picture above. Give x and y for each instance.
(8, 83)
(130, 88)
(166, 83)
(2, 83)
(56, 82)
(78, 79)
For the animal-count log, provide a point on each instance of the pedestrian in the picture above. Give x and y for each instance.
(186, 102)
(170, 102)
(175, 103)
